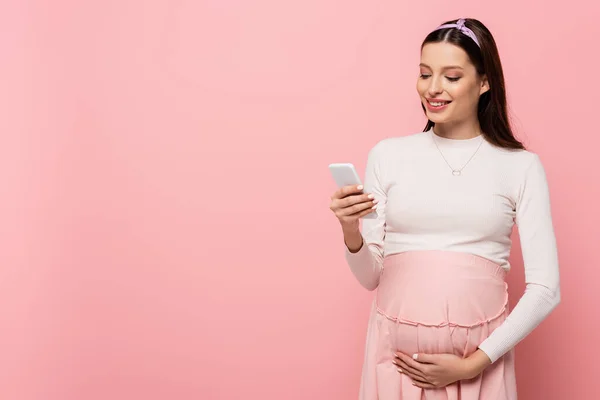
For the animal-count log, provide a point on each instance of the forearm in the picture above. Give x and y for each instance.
(352, 239)
(534, 306)
(476, 363)
(364, 264)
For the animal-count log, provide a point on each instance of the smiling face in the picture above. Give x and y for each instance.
(448, 84)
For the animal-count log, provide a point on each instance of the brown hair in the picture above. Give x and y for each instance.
(492, 110)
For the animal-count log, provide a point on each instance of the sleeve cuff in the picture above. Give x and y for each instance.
(361, 264)
(492, 353)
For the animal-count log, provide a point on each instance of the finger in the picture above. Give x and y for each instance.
(355, 199)
(413, 373)
(348, 190)
(408, 361)
(413, 377)
(366, 212)
(424, 358)
(362, 209)
(356, 209)
(423, 385)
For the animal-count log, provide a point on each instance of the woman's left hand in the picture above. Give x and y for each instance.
(430, 371)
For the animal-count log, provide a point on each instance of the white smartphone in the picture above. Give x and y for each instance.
(345, 174)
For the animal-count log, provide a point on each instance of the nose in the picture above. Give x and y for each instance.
(435, 87)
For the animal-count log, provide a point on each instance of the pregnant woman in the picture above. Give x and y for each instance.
(446, 200)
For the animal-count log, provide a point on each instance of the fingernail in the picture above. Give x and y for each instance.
(415, 356)
(399, 370)
(371, 196)
(375, 201)
(360, 187)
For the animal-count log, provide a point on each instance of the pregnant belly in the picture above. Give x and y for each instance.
(439, 302)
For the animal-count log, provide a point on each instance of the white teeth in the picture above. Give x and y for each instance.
(438, 104)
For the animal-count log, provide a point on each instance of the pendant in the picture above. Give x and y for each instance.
(456, 172)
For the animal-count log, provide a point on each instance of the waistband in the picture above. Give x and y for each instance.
(441, 288)
(447, 258)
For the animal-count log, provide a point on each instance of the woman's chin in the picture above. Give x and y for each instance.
(436, 118)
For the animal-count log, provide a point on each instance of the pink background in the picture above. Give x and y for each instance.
(165, 231)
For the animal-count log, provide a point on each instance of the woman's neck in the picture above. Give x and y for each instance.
(458, 131)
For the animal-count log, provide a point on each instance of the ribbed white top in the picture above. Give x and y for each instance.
(423, 206)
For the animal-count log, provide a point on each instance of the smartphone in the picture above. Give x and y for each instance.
(345, 174)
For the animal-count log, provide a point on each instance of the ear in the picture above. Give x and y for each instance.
(485, 85)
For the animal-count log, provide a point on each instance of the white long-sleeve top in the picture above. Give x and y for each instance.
(423, 206)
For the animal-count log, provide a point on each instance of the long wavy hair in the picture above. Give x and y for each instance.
(492, 110)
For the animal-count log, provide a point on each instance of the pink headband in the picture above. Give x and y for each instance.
(460, 25)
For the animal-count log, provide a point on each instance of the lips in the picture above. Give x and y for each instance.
(437, 104)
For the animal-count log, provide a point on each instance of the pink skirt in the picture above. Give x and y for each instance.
(436, 302)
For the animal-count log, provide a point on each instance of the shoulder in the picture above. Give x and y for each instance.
(524, 168)
(397, 145)
(521, 162)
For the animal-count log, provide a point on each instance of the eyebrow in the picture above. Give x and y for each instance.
(446, 67)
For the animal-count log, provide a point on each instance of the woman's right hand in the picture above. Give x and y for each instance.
(349, 204)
